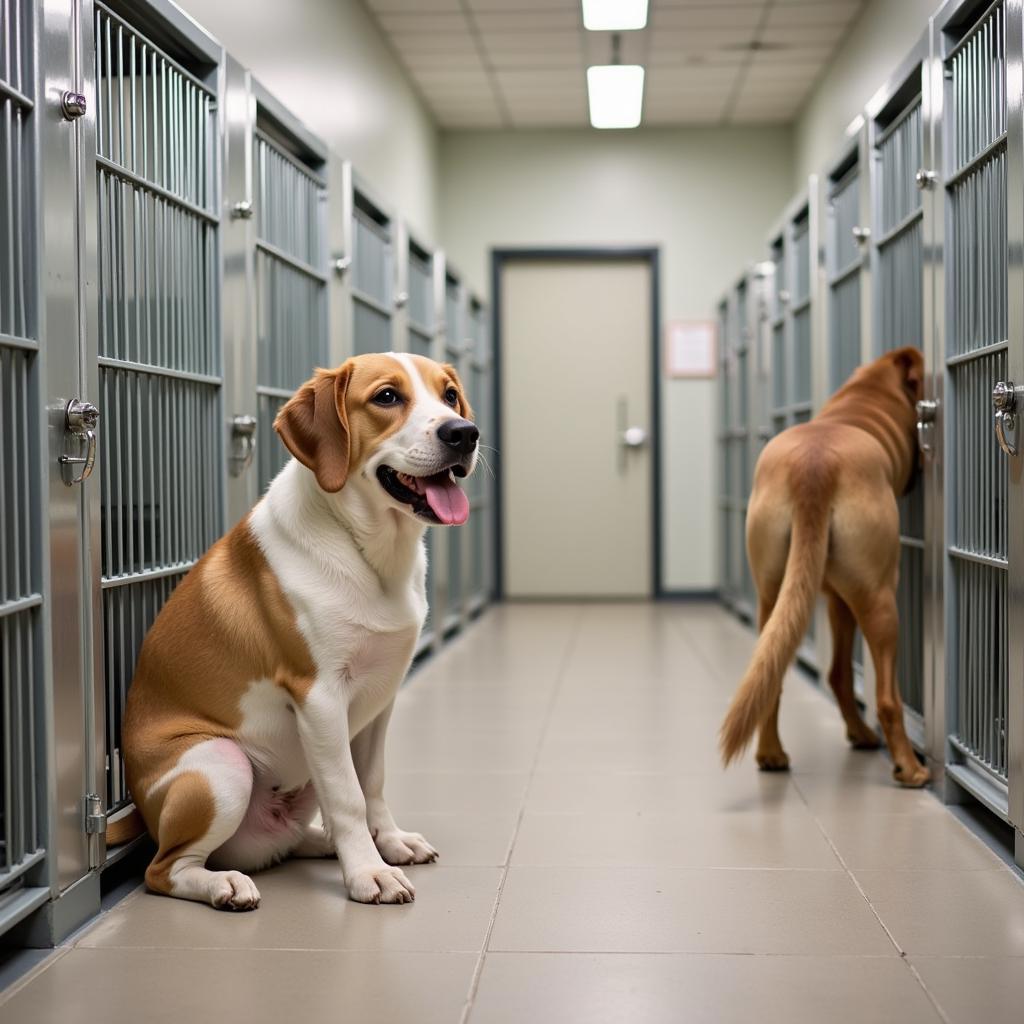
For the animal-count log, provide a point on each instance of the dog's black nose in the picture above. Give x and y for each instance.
(461, 435)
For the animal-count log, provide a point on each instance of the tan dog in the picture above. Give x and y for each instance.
(255, 723)
(823, 517)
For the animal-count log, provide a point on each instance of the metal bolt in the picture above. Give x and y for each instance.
(242, 210)
(341, 265)
(924, 179)
(72, 105)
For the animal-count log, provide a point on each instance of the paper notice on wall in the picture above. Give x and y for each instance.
(690, 347)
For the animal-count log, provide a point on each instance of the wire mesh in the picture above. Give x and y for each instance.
(844, 216)
(981, 662)
(802, 356)
(422, 314)
(159, 338)
(291, 289)
(844, 329)
(900, 154)
(372, 284)
(801, 243)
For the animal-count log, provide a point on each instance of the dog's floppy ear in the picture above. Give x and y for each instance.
(464, 410)
(911, 365)
(314, 426)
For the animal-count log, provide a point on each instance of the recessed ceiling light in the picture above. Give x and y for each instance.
(614, 15)
(616, 94)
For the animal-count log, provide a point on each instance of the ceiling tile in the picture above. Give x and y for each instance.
(528, 21)
(412, 6)
(747, 17)
(841, 12)
(425, 42)
(534, 53)
(562, 42)
(409, 22)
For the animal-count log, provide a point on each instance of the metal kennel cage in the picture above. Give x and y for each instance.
(196, 239)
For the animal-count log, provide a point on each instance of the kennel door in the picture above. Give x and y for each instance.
(290, 210)
(899, 153)
(161, 475)
(973, 186)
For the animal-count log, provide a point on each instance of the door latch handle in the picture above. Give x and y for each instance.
(1004, 406)
(80, 419)
(926, 410)
(243, 443)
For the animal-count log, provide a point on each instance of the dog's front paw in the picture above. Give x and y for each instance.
(380, 885)
(400, 847)
(231, 890)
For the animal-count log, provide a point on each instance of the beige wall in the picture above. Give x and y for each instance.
(880, 38)
(328, 63)
(706, 197)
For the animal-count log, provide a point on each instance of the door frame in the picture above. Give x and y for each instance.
(500, 259)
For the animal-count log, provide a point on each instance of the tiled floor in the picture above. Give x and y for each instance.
(597, 865)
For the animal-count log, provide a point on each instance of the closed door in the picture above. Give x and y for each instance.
(576, 418)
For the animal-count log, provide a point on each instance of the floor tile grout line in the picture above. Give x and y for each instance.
(878, 917)
(474, 983)
(57, 953)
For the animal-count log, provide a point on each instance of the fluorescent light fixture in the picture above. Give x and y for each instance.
(616, 95)
(614, 15)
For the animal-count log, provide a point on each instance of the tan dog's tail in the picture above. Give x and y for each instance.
(812, 486)
(123, 830)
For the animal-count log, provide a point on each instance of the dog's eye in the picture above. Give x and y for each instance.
(387, 396)
(451, 396)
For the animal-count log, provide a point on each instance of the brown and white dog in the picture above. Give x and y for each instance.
(823, 517)
(255, 722)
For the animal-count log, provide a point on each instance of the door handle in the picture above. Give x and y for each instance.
(80, 419)
(1004, 407)
(630, 436)
(243, 443)
(926, 410)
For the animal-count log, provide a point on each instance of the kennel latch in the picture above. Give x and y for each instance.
(243, 442)
(926, 411)
(1004, 406)
(80, 419)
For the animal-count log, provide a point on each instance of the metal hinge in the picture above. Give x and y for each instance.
(95, 816)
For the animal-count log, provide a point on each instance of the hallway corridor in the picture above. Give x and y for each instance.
(596, 865)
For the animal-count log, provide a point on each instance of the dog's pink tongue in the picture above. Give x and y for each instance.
(447, 500)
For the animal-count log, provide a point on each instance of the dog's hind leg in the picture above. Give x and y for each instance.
(198, 806)
(771, 755)
(879, 621)
(840, 674)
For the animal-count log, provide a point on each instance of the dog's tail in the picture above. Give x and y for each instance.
(126, 828)
(812, 486)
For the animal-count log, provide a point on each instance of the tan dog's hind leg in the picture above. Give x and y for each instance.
(771, 756)
(879, 622)
(200, 809)
(840, 674)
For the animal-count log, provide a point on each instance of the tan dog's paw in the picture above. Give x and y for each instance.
(231, 890)
(400, 847)
(380, 885)
(862, 737)
(773, 760)
(912, 776)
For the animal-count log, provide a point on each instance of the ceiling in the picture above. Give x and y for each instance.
(522, 63)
